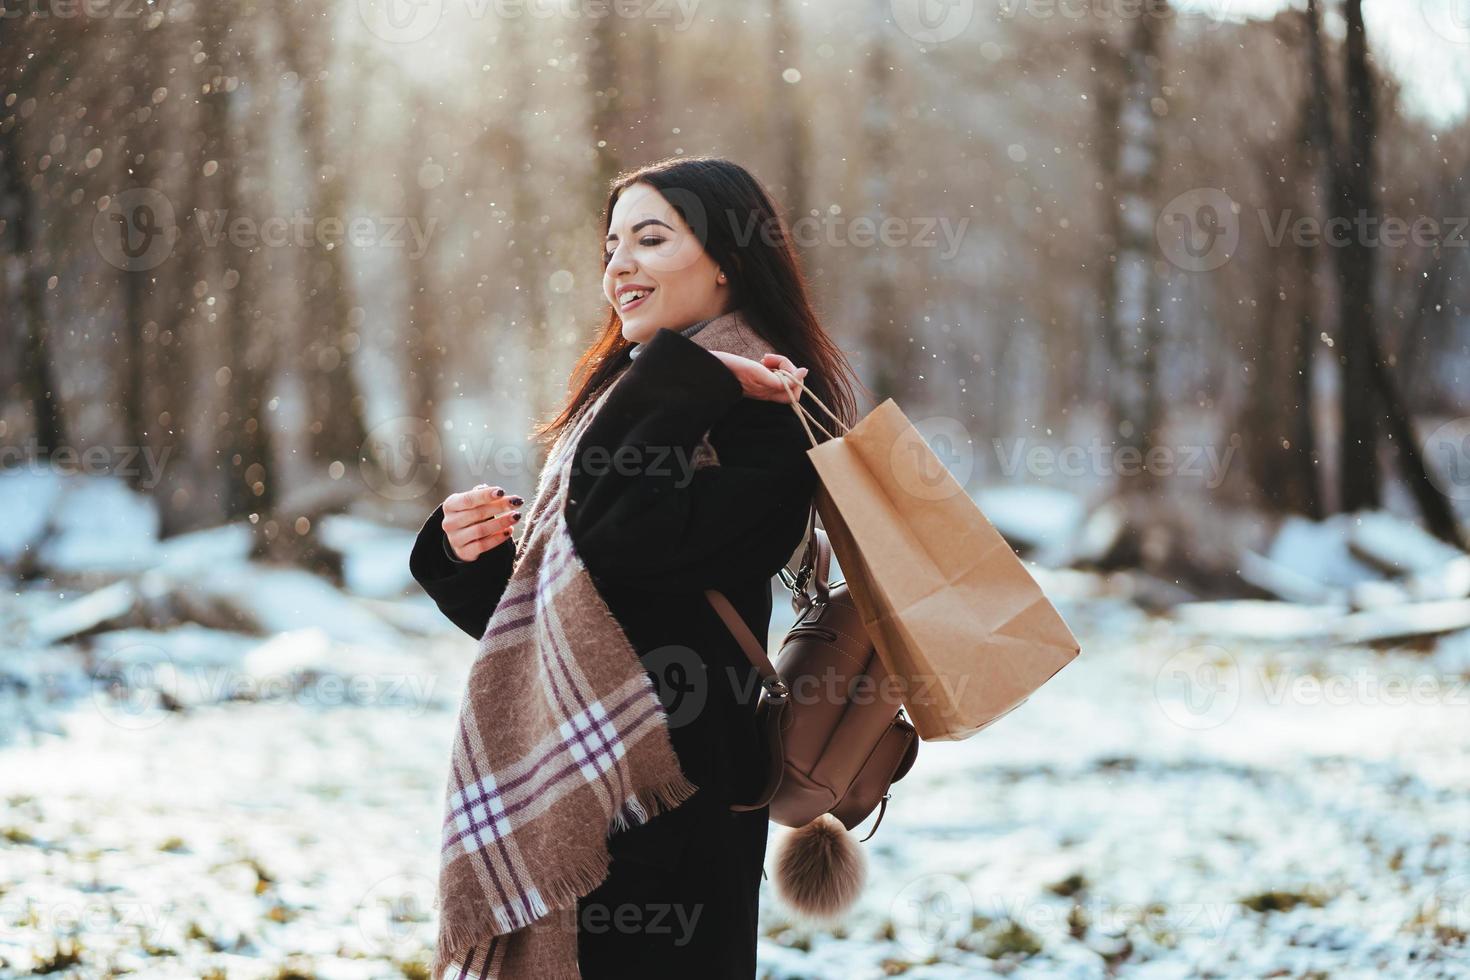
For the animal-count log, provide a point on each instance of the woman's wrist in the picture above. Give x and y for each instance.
(759, 380)
(448, 550)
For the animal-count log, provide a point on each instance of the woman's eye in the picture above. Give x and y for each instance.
(648, 242)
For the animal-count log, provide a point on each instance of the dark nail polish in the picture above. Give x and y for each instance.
(516, 501)
(515, 517)
(500, 493)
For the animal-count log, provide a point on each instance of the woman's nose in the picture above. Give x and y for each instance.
(620, 261)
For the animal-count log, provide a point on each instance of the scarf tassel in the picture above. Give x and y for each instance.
(469, 936)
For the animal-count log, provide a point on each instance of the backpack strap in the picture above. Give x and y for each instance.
(815, 567)
(777, 696)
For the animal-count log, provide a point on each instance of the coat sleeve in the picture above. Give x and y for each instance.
(466, 592)
(642, 515)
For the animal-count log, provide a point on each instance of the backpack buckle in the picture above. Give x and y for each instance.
(797, 582)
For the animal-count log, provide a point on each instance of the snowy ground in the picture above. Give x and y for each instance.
(1172, 804)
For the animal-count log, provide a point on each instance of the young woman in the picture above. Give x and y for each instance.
(696, 261)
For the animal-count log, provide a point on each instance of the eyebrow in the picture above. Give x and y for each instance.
(642, 224)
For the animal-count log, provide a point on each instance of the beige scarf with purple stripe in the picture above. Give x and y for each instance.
(561, 741)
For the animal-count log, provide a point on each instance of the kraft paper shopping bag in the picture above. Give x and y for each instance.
(952, 611)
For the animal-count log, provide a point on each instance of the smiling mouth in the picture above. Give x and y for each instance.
(632, 298)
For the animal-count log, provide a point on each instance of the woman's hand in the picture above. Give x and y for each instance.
(479, 519)
(758, 378)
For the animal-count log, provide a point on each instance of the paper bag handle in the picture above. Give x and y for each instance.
(801, 412)
(817, 554)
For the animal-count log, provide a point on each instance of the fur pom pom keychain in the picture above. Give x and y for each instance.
(820, 868)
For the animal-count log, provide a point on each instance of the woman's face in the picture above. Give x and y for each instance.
(650, 250)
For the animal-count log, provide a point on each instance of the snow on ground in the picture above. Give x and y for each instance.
(1170, 805)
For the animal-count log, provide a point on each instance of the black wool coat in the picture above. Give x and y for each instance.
(654, 531)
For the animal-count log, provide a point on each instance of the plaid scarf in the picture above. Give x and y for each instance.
(561, 741)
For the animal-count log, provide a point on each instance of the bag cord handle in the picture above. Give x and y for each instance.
(816, 557)
(777, 696)
(801, 411)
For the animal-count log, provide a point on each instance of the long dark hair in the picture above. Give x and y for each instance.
(741, 229)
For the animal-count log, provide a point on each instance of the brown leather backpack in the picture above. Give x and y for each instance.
(836, 733)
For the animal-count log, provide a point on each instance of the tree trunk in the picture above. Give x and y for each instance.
(889, 339)
(527, 239)
(1439, 518)
(1279, 435)
(1359, 478)
(242, 439)
(1135, 329)
(424, 346)
(136, 349)
(37, 375)
(790, 124)
(1108, 84)
(337, 427)
(603, 73)
(1371, 400)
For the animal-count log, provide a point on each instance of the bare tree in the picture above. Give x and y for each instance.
(37, 377)
(1280, 440)
(604, 70)
(242, 439)
(786, 116)
(1372, 404)
(336, 406)
(423, 349)
(1359, 477)
(887, 331)
(21, 212)
(511, 142)
(1134, 330)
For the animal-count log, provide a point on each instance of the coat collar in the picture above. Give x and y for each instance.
(732, 332)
